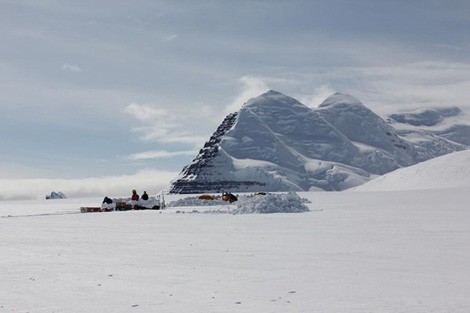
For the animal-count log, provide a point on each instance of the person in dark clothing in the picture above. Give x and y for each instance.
(107, 200)
(107, 205)
(145, 196)
(229, 197)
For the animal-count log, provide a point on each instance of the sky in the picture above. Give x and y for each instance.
(94, 91)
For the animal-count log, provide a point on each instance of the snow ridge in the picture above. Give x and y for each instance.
(447, 171)
(211, 157)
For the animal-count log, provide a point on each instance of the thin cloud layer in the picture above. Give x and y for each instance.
(72, 68)
(412, 85)
(145, 112)
(170, 37)
(160, 154)
(164, 125)
(251, 87)
(114, 186)
(318, 96)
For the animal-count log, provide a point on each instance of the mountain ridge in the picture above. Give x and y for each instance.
(276, 143)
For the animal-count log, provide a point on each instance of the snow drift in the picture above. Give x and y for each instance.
(447, 171)
(247, 204)
(271, 203)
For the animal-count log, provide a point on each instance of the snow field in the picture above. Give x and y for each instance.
(353, 252)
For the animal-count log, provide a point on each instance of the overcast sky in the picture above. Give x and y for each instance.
(105, 88)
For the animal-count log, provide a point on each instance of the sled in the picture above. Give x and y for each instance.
(138, 207)
(123, 206)
(88, 209)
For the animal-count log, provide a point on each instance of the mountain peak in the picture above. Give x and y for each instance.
(272, 92)
(271, 98)
(341, 99)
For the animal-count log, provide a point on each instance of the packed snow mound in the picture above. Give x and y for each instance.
(251, 203)
(195, 201)
(271, 203)
(444, 172)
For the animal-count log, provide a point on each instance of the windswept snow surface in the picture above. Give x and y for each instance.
(447, 171)
(352, 252)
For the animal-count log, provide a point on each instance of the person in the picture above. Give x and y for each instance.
(135, 196)
(134, 200)
(229, 197)
(108, 205)
(145, 196)
(107, 200)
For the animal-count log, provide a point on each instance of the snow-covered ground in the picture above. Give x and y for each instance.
(405, 251)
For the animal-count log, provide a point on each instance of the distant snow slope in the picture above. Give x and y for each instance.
(447, 171)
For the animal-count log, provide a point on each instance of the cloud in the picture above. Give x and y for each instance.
(114, 186)
(385, 89)
(71, 68)
(185, 138)
(160, 154)
(170, 131)
(170, 37)
(145, 112)
(251, 87)
(178, 126)
(318, 96)
(411, 85)
(169, 134)
(155, 122)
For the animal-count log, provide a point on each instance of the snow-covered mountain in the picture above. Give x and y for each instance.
(447, 171)
(425, 117)
(435, 131)
(56, 195)
(275, 143)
